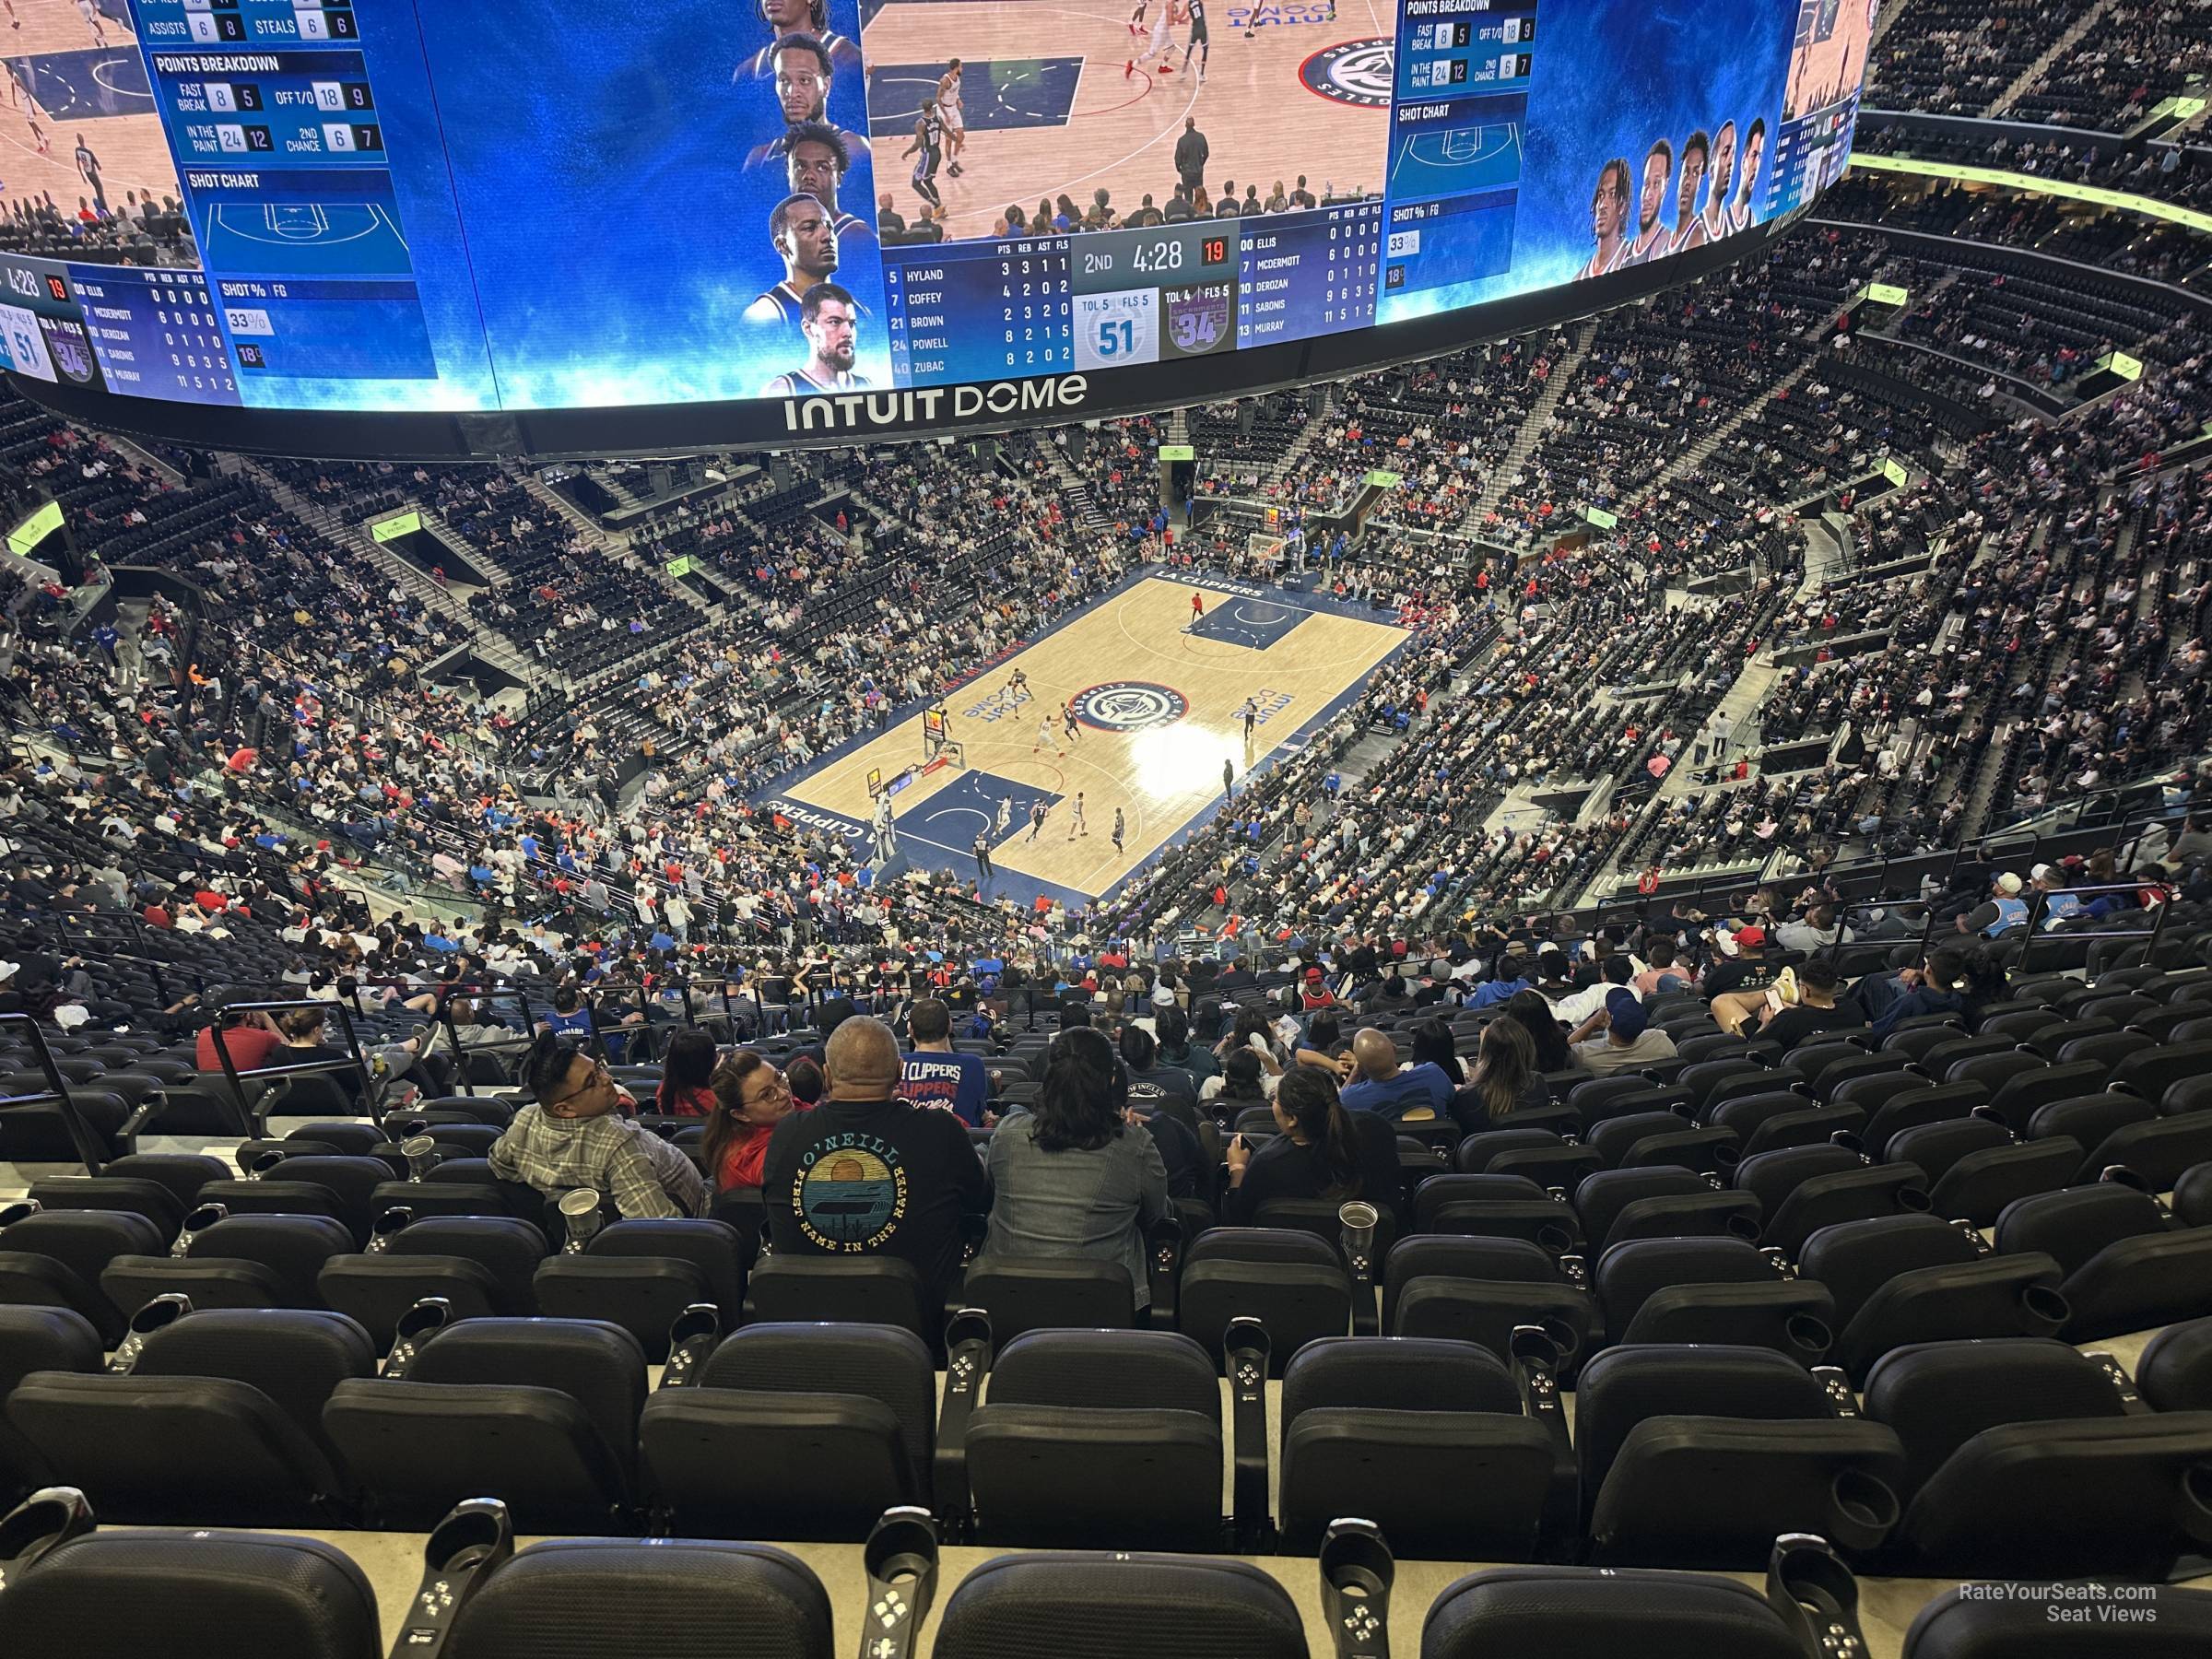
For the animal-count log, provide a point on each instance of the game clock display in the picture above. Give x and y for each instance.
(718, 216)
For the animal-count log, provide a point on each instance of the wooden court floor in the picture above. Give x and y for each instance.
(133, 152)
(1168, 701)
(1120, 133)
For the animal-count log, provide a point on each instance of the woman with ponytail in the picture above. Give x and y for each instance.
(1322, 1151)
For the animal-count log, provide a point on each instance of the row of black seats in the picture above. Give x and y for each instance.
(1813, 1251)
(2009, 1455)
(70, 1587)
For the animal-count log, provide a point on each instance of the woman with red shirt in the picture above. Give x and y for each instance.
(751, 1097)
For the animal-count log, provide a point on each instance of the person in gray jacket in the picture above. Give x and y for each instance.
(1076, 1175)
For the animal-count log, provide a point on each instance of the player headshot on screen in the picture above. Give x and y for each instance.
(948, 111)
(1608, 219)
(1715, 217)
(1652, 236)
(801, 232)
(803, 92)
(814, 162)
(1689, 229)
(1747, 202)
(831, 323)
(800, 18)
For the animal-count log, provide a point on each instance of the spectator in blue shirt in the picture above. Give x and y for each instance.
(1511, 976)
(1380, 1087)
(933, 1074)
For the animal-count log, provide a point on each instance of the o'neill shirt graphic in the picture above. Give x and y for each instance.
(851, 1193)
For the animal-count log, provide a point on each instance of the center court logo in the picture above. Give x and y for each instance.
(1130, 706)
(1351, 72)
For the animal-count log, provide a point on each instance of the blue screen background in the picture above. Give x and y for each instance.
(1610, 76)
(615, 236)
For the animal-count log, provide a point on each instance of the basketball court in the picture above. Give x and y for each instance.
(1049, 110)
(72, 84)
(1158, 698)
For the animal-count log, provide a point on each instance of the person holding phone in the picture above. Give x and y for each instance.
(1800, 1004)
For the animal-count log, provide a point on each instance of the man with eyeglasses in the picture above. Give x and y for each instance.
(572, 1136)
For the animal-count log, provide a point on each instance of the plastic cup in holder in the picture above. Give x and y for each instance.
(580, 1216)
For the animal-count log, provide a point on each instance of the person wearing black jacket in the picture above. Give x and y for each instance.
(1322, 1151)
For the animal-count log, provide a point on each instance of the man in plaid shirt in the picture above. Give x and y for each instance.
(572, 1137)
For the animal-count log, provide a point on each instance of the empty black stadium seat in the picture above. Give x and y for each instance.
(1598, 1613)
(219, 1424)
(1425, 1438)
(805, 1430)
(2175, 1371)
(56, 1258)
(2127, 1267)
(1701, 1456)
(866, 1290)
(1993, 1296)
(681, 1598)
(1045, 1294)
(140, 1197)
(37, 1339)
(126, 1595)
(1988, 1621)
(1292, 1282)
(237, 1261)
(2035, 1467)
(1095, 1606)
(543, 1412)
(1099, 1440)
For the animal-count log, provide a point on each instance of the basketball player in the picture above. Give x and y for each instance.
(1136, 17)
(948, 111)
(1076, 826)
(91, 14)
(1200, 41)
(1197, 610)
(1070, 725)
(1045, 739)
(1018, 686)
(803, 236)
(808, 17)
(831, 322)
(1118, 824)
(1724, 180)
(1036, 818)
(1006, 813)
(803, 93)
(1690, 225)
(1651, 235)
(928, 148)
(1608, 219)
(815, 163)
(1163, 30)
(1755, 148)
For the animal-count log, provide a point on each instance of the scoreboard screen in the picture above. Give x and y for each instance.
(433, 228)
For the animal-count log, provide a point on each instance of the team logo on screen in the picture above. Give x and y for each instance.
(72, 351)
(1130, 706)
(1352, 71)
(1197, 317)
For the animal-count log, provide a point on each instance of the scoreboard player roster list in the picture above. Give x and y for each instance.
(1043, 305)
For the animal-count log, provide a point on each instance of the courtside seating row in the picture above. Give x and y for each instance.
(120, 1595)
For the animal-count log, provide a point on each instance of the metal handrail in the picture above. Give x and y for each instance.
(350, 1060)
(91, 1151)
